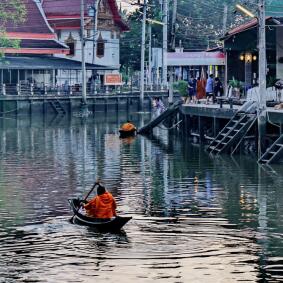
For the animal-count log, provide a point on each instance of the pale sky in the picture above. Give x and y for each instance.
(126, 4)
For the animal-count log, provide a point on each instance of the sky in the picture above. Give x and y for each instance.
(126, 4)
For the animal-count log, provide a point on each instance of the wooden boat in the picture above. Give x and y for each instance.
(107, 225)
(125, 134)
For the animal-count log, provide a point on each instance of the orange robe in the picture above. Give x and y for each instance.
(128, 127)
(201, 89)
(102, 206)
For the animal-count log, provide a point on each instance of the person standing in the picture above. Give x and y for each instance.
(159, 106)
(209, 89)
(218, 88)
(200, 88)
(194, 89)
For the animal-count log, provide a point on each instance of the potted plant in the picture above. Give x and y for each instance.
(237, 88)
(182, 88)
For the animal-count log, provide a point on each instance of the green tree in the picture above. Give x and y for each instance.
(131, 41)
(199, 26)
(11, 11)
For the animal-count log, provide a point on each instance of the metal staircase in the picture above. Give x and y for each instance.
(57, 106)
(234, 130)
(171, 110)
(273, 153)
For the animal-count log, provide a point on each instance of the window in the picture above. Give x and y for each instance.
(72, 48)
(100, 47)
(70, 41)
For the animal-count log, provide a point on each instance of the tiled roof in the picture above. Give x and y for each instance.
(54, 8)
(35, 21)
(35, 34)
(116, 15)
(46, 63)
(66, 9)
(246, 26)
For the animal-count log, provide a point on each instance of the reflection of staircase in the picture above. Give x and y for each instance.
(56, 120)
(57, 106)
(234, 130)
(274, 152)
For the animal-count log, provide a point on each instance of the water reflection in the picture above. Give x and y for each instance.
(195, 218)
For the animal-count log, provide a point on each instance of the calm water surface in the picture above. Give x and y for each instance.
(195, 219)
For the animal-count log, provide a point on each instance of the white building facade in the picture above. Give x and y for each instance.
(102, 34)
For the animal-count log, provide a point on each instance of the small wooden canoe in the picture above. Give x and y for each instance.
(114, 224)
(125, 134)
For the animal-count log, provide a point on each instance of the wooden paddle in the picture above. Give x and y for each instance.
(88, 194)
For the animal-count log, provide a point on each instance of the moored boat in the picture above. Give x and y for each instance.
(108, 225)
(125, 134)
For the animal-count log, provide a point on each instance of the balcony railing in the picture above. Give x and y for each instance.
(31, 89)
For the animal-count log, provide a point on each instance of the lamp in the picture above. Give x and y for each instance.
(242, 57)
(245, 11)
(254, 57)
(248, 57)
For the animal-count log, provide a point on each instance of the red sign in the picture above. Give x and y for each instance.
(112, 79)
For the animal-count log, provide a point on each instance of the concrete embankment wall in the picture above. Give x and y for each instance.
(27, 105)
(202, 123)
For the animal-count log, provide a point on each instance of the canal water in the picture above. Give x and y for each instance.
(195, 218)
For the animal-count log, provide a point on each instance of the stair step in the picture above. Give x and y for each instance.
(264, 160)
(279, 144)
(214, 148)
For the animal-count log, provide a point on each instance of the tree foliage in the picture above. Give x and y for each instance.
(200, 25)
(11, 11)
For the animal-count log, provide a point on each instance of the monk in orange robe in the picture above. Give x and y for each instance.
(101, 206)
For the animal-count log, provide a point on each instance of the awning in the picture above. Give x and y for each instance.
(196, 59)
(46, 63)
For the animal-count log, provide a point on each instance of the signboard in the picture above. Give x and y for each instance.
(196, 59)
(113, 79)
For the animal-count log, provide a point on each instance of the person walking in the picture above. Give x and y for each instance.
(209, 89)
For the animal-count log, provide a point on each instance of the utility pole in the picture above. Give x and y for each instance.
(143, 55)
(84, 102)
(261, 76)
(262, 55)
(173, 47)
(173, 28)
(225, 12)
(165, 43)
(93, 12)
(150, 56)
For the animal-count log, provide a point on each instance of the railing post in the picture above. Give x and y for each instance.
(18, 89)
(45, 90)
(4, 89)
(71, 90)
(58, 90)
(31, 88)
